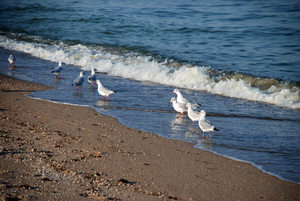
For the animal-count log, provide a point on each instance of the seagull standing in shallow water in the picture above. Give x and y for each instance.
(104, 91)
(57, 70)
(178, 107)
(11, 60)
(194, 116)
(78, 81)
(181, 99)
(92, 77)
(204, 124)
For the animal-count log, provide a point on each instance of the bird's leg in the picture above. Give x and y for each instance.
(105, 98)
(203, 136)
(193, 124)
(209, 135)
(179, 115)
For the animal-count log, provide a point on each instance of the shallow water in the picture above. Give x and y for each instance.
(239, 59)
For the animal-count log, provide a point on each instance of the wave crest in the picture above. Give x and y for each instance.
(139, 67)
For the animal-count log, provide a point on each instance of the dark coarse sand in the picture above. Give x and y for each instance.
(51, 151)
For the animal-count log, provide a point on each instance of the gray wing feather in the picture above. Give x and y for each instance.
(78, 81)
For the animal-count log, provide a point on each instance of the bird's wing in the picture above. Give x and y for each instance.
(92, 77)
(107, 91)
(57, 69)
(78, 81)
(206, 125)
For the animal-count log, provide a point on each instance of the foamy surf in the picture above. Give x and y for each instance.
(146, 68)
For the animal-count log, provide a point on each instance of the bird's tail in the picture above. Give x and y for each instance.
(215, 129)
(195, 106)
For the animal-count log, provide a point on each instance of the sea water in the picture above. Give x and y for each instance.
(238, 59)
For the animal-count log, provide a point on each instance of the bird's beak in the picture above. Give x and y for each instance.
(185, 106)
(172, 91)
(170, 102)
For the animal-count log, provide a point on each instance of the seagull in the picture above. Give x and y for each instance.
(181, 99)
(204, 124)
(103, 91)
(194, 116)
(92, 77)
(179, 107)
(11, 60)
(78, 81)
(58, 69)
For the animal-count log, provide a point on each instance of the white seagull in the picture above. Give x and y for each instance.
(204, 124)
(194, 116)
(78, 81)
(178, 107)
(181, 99)
(11, 60)
(104, 91)
(92, 77)
(57, 69)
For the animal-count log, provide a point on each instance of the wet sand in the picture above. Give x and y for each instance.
(66, 152)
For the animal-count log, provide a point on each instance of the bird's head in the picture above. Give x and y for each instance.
(175, 91)
(172, 100)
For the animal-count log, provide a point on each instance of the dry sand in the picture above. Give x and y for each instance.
(51, 151)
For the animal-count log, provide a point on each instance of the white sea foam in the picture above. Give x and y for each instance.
(145, 68)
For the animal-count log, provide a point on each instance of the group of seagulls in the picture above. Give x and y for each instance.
(79, 81)
(182, 105)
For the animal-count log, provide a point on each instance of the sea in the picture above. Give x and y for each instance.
(239, 59)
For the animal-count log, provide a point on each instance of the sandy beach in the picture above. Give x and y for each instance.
(51, 151)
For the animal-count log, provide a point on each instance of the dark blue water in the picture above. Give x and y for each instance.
(239, 59)
(257, 38)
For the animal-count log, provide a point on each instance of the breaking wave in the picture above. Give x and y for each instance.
(125, 63)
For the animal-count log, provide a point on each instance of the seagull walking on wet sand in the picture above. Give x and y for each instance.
(205, 125)
(178, 107)
(194, 116)
(92, 77)
(79, 81)
(181, 99)
(57, 70)
(11, 60)
(104, 91)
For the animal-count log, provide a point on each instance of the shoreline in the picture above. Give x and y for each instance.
(229, 157)
(62, 151)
